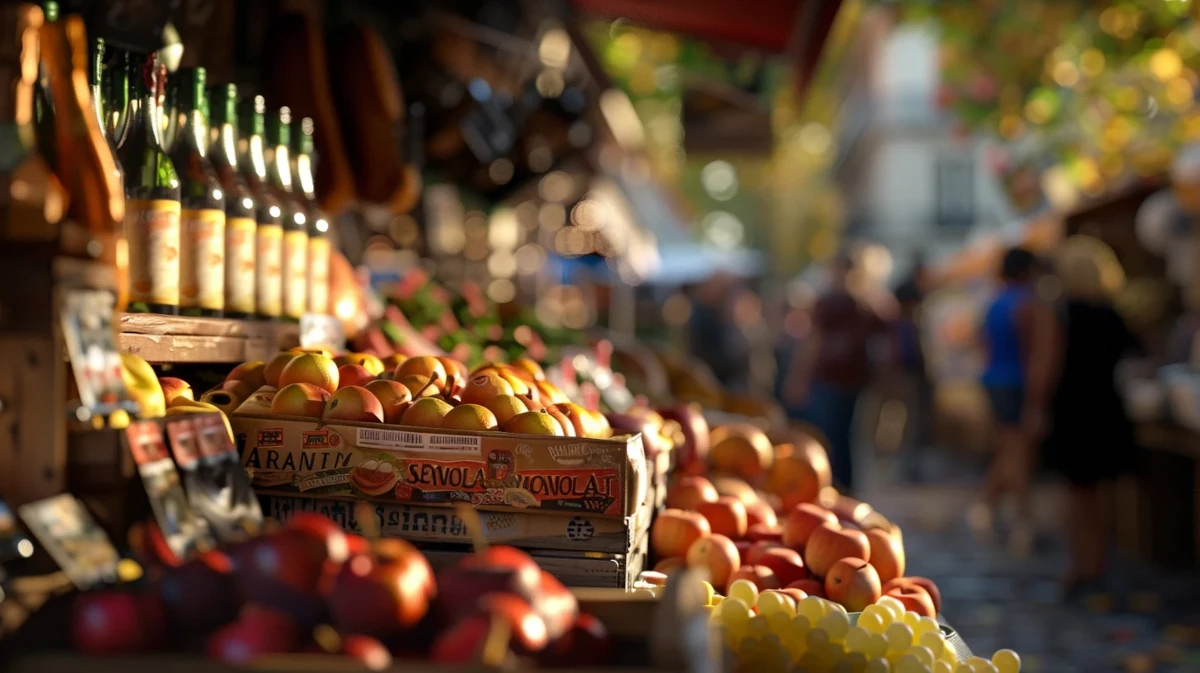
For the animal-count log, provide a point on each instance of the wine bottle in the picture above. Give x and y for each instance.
(30, 214)
(202, 221)
(93, 228)
(152, 206)
(117, 109)
(295, 232)
(319, 249)
(43, 107)
(239, 204)
(268, 249)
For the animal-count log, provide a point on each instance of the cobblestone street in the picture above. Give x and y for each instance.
(1147, 621)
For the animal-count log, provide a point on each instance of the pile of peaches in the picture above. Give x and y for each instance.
(423, 391)
(310, 588)
(767, 514)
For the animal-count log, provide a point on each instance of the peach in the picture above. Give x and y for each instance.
(300, 399)
(548, 393)
(394, 397)
(761, 576)
(761, 512)
(353, 403)
(469, 417)
(505, 407)
(424, 365)
(391, 362)
(578, 417)
(914, 599)
(887, 554)
(760, 532)
(786, 563)
(600, 425)
(426, 412)
(484, 386)
(419, 386)
(519, 385)
(810, 587)
(367, 361)
(253, 372)
(799, 473)
(534, 423)
(854, 583)
(674, 532)
(736, 488)
(275, 367)
(173, 388)
(354, 375)
(745, 548)
(742, 450)
(530, 367)
(755, 553)
(456, 374)
(690, 492)
(565, 423)
(726, 516)
(718, 555)
(802, 520)
(935, 595)
(828, 545)
(310, 368)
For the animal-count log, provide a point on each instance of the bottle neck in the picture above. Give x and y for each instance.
(304, 175)
(281, 171)
(256, 156)
(225, 149)
(148, 115)
(192, 132)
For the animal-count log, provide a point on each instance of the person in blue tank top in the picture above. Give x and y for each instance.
(1005, 334)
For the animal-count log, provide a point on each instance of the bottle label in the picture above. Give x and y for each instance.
(202, 265)
(319, 251)
(239, 264)
(152, 227)
(295, 273)
(268, 279)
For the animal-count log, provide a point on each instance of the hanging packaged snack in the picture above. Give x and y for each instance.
(73, 539)
(184, 530)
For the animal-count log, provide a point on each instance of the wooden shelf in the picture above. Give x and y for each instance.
(162, 339)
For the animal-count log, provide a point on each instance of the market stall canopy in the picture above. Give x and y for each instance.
(795, 28)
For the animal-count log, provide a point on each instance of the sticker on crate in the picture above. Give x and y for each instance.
(435, 524)
(292, 456)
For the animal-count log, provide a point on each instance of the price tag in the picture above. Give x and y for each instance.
(321, 331)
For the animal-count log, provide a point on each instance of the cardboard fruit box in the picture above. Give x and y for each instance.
(574, 569)
(419, 523)
(298, 456)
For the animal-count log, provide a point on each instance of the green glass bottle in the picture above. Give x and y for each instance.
(152, 207)
(319, 245)
(295, 231)
(43, 108)
(96, 75)
(268, 236)
(202, 265)
(240, 220)
(116, 106)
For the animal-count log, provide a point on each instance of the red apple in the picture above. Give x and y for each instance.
(689, 492)
(556, 605)
(854, 583)
(199, 595)
(930, 588)
(726, 516)
(694, 451)
(526, 627)
(586, 641)
(810, 587)
(756, 551)
(675, 530)
(459, 588)
(785, 563)
(761, 576)
(354, 375)
(718, 555)
(502, 556)
(463, 642)
(801, 521)
(760, 512)
(761, 532)
(257, 633)
(744, 547)
(382, 592)
(914, 598)
(887, 554)
(116, 622)
(828, 545)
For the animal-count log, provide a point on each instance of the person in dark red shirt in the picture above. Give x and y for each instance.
(833, 366)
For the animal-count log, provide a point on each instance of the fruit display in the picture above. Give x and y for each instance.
(307, 587)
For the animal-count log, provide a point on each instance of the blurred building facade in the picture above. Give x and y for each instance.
(911, 182)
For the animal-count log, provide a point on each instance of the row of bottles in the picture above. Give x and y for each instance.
(218, 215)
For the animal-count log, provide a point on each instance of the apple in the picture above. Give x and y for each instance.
(761, 576)
(741, 449)
(758, 549)
(718, 555)
(914, 598)
(726, 516)
(930, 588)
(199, 595)
(744, 547)
(887, 554)
(801, 521)
(259, 632)
(117, 622)
(464, 641)
(828, 545)
(760, 512)
(586, 641)
(761, 532)
(690, 492)
(503, 556)
(675, 530)
(799, 472)
(786, 563)
(735, 487)
(796, 594)
(693, 453)
(460, 587)
(854, 583)
(556, 605)
(810, 587)
(381, 592)
(292, 570)
(527, 629)
(668, 566)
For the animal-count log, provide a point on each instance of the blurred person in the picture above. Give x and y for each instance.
(713, 335)
(832, 366)
(1088, 438)
(1006, 335)
(912, 385)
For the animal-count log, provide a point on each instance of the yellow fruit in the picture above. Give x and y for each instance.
(534, 423)
(419, 385)
(143, 386)
(470, 417)
(426, 412)
(253, 372)
(1006, 661)
(367, 361)
(275, 367)
(318, 370)
(425, 365)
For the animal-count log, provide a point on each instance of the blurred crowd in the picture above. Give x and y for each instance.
(1046, 344)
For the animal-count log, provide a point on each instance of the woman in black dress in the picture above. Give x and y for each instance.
(1089, 439)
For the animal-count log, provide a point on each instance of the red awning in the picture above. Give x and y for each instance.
(795, 28)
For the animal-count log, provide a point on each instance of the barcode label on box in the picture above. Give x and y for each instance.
(390, 439)
(455, 443)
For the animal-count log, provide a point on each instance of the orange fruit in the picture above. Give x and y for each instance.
(426, 412)
(253, 372)
(534, 423)
(456, 373)
(275, 367)
(300, 399)
(424, 365)
(505, 407)
(367, 361)
(419, 385)
(469, 417)
(548, 393)
(530, 367)
(391, 394)
(484, 386)
(311, 368)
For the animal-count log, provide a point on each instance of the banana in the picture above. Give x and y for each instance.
(143, 386)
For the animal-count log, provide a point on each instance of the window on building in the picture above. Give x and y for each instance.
(955, 192)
